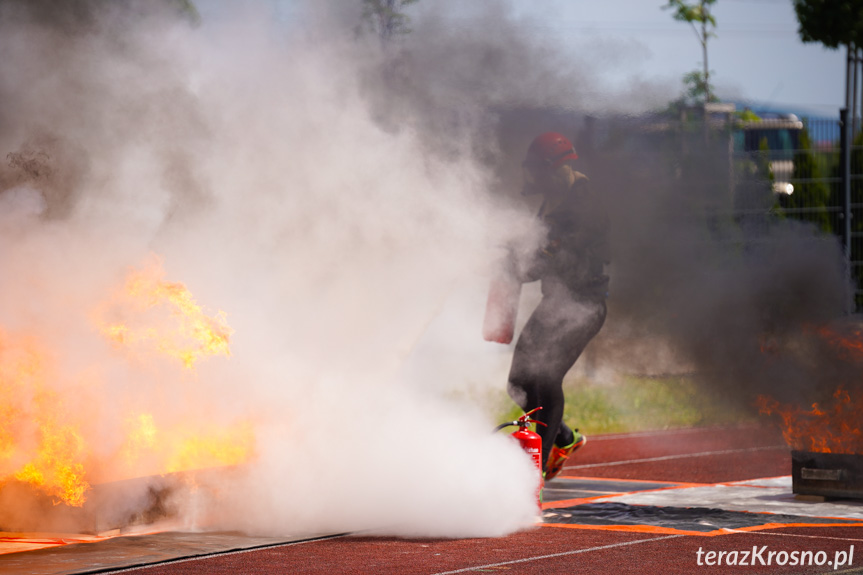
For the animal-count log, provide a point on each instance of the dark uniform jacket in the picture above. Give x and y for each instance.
(573, 260)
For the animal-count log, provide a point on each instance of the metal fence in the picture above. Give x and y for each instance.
(828, 188)
(814, 176)
(739, 183)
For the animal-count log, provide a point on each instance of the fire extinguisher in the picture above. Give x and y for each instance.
(531, 443)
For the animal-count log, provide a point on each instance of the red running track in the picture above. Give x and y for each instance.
(702, 456)
(686, 456)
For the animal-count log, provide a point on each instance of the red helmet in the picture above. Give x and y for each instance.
(549, 150)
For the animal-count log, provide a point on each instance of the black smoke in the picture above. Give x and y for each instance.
(703, 260)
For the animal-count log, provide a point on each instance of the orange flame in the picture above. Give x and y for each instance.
(156, 312)
(848, 346)
(223, 447)
(186, 448)
(39, 442)
(42, 440)
(831, 429)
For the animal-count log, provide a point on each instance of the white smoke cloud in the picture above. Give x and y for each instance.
(248, 160)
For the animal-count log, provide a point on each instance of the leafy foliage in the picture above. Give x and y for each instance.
(80, 16)
(386, 18)
(698, 12)
(831, 22)
(703, 23)
(698, 88)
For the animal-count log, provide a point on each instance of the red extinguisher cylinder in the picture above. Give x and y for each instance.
(531, 443)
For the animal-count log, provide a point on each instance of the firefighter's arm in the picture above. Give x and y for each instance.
(535, 265)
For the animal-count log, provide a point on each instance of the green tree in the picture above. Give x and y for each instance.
(386, 18)
(80, 16)
(699, 16)
(834, 23)
(698, 88)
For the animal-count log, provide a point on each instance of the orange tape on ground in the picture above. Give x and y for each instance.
(19, 544)
(780, 525)
(574, 502)
(652, 529)
(669, 483)
(671, 531)
(10, 543)
(580, 500)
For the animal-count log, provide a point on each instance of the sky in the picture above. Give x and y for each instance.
(756, 56)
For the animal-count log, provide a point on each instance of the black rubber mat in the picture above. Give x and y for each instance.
(700, 519)
(560, 489)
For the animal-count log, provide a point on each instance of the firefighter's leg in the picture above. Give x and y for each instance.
(565, 435)
(532, 381)
(549, 345)
(532, 392)
(588, 318)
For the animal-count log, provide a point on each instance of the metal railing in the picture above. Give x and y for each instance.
(737, 192)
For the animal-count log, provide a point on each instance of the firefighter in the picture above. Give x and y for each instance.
(570, 266)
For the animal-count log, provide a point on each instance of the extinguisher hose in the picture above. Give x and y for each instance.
(507, 424)
(522, 421)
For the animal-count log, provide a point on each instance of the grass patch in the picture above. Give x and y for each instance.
(636, 403)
